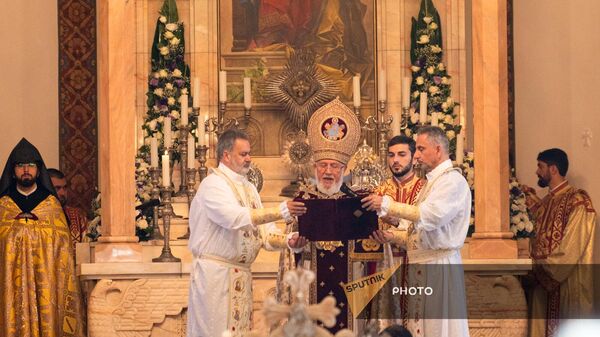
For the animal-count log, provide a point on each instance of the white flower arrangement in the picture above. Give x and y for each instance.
(430, 75)
(520, 221)
(168, 80)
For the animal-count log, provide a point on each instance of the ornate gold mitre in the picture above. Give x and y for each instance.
(333, 132)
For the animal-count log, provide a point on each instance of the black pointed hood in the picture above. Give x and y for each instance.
(25, 152)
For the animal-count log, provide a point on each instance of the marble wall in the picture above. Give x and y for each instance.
(29, 89)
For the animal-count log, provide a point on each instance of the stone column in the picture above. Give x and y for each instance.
(492, 238)
(117, 123)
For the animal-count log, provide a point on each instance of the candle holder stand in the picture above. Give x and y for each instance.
(155, 194)
(167, 212)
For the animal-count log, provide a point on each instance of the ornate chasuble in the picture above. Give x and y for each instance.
(552, 216)
(564, 221)
(39, 294)
(405, 192)
(78, 224)
(332, 263)
(240, 279)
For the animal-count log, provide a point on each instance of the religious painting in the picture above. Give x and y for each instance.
(257, 37)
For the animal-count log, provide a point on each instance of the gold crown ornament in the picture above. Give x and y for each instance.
(333, 132)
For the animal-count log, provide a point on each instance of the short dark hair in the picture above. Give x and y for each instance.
(436, 135)
(396, 330)
(55, 173)
(556, 157)
(227, 139)
(402, 139)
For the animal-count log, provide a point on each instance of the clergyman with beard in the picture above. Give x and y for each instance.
(439, 221)
(333, 133)
(404, 187)
(39, 292)
(563, 248)
(228, 227)
(78, 222)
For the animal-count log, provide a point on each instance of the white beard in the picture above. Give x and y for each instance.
(331, 190)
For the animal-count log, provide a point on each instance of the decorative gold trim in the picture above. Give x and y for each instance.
(259, 216)
(404, 211)
(277, 240)
(399, 237)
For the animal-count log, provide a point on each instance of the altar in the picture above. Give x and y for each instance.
(128, 293)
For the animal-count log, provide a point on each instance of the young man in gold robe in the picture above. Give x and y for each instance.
(39, 292)
(404, 186)
(563, 248)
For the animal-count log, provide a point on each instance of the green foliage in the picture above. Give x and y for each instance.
(430, 75)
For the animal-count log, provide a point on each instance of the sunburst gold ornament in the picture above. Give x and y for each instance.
(297, 155)
(301, 88)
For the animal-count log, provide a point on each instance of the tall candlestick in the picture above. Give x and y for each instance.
(406, 82)
(460, 147)
(222, 86)
(153, 152)
(201, 129)
(167, 132)
(356, 90)
(166, 176)
(396, 123)
(247, 93)
(382, 86)
(196, 88)
(434, 119)
(184, 109)
(462, 114)
(423, 108)
(191, 152)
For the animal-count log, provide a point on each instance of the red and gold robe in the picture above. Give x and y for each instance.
(562, 250)
(405, 191)
(78, 224)
(39, 292)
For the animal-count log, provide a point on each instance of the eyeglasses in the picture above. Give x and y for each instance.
(333, 166)
(28, 165)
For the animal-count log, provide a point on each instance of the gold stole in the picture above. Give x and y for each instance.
(240, 281)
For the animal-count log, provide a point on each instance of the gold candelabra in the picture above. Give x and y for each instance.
(191, 192)
(184, 131)
(167, 213)
(155, 194)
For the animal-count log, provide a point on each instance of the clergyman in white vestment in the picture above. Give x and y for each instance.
(228, 226)
(440, 221)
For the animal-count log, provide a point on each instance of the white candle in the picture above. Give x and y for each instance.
(462, 113)
(396, 123)
(153, 152)
(423, 108)
(406, 82)
(167, 132)
(201, 129)
(166, 177)
(382, 86)
(196, 88)
(222, 86)
(247, 93)
(207, 140)
(191, 154)
(356, 90)
(184, 109)
(460, 148)
(434, 119)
